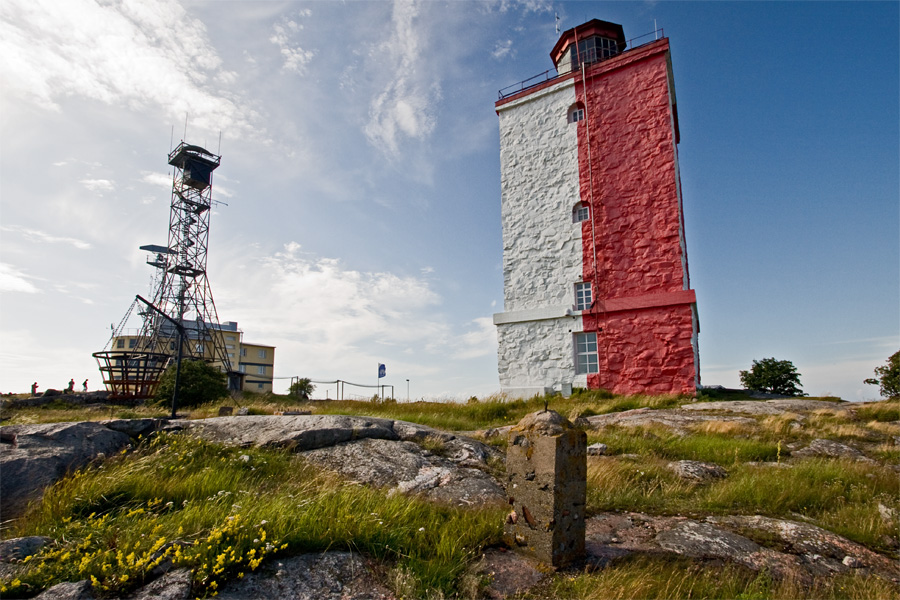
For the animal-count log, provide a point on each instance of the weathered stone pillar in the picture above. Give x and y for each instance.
(546, 470)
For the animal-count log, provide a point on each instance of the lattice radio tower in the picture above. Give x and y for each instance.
(182, 292)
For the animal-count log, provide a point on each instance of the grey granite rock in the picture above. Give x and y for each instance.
(329, 576)
(44, 453)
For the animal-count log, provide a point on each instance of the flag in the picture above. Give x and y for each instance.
(382, 370)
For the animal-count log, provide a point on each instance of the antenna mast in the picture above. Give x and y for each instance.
(185, 320)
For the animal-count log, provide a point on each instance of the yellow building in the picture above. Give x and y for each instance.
(254, 362)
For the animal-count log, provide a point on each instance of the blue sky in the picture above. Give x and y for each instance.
(361, 175)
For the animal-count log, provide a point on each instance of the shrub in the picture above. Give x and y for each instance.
(198, 383)
(888, 377)
(303, 388)
(772, 376)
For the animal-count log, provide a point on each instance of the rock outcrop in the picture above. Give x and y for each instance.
(791, 549)
(328, 576)
(376, 452)
(34, 456)
(768, 407)
(677, 420)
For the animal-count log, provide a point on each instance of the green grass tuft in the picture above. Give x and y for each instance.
(221, 510)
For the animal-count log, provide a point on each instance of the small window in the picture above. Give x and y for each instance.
(199, 348)
(586, 353)
(259, 386)
(230, 338)
(262, 353)
(583, 295)
(132, 342)
(260, 370)
(242, 368)
(172, 346)
(580, 213)
(120, 343)
(243, 352)
(576, 113)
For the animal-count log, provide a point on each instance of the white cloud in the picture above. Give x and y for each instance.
(406, 108)
(35, 235)
(503, 49)
(478, 342)
(295, 58)
(13, 280)
(132, 53)
(98, 185)
(330, 320)
(163, 180)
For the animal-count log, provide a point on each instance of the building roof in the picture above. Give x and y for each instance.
(591, 28)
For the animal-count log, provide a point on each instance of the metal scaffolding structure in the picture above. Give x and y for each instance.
(181, 295)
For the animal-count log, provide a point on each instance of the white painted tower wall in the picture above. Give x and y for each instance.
(542, 252)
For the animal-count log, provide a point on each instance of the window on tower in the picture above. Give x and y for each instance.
(580, 213)
(591, 50)
(576, 113)
(583, 295)
(586, 353)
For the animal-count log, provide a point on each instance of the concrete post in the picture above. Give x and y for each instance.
(546, 469)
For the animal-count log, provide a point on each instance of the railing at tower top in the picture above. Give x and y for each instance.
(551, 74)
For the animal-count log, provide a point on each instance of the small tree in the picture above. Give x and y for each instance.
(303, 388)
(773, 377)
(198, 383)
(888, 377)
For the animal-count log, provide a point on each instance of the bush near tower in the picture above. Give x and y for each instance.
(198, 383)
(773, 377)
(888, 377)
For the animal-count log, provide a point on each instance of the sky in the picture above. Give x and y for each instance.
(359, 190)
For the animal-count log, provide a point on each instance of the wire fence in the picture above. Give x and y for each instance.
(340, 389)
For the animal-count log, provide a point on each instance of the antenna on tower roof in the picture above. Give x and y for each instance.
(557, 23)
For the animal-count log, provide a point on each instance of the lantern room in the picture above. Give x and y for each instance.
(588, 43)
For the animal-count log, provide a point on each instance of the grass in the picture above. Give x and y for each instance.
(653, 577)
(493, 411)
(221, 510)
(838, 495)
(881, 412)
(661, 442)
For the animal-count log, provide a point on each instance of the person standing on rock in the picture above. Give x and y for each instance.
(84, 385)
(71, 387)
(34, 389)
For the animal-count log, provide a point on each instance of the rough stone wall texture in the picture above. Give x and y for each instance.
(546, 465)
(647, 351)
(537, 354)
(539, 189)
(632, 180)
(624, 164)
(638, 226)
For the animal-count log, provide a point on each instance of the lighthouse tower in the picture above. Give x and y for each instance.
(596, 287)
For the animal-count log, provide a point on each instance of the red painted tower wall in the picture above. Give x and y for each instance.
(643, 312)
